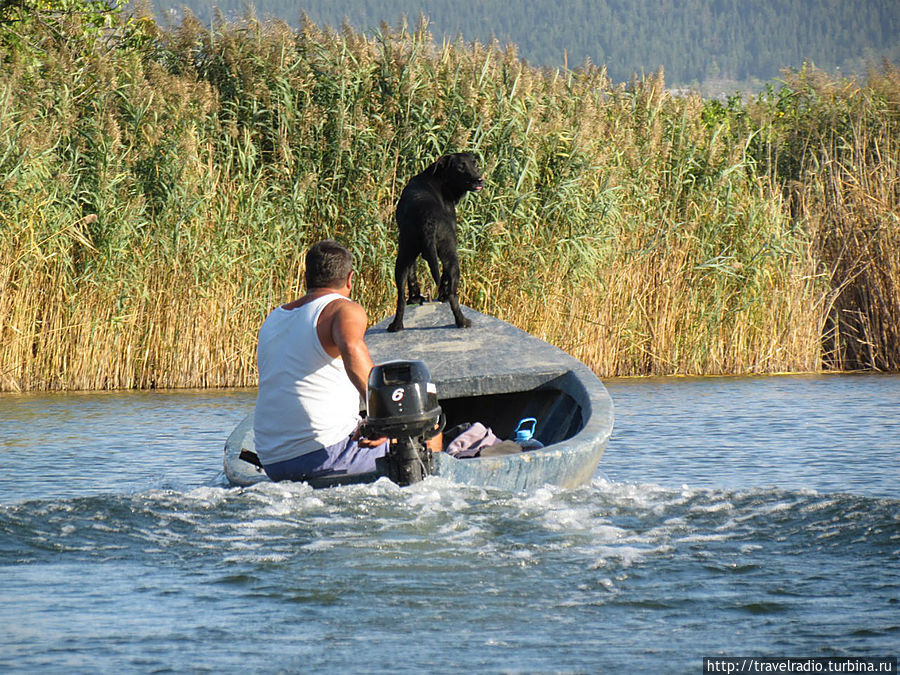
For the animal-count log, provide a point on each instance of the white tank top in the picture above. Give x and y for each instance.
(305, 400)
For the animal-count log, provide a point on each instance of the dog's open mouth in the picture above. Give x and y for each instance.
(477, 185)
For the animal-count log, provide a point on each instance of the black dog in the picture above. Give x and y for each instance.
(426, 219)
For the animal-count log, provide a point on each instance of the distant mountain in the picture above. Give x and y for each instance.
(696, 41)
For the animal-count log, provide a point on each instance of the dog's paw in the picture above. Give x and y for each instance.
(465, 323)
(415, 300)
(395, 326)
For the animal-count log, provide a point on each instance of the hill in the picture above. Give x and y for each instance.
(711, 42)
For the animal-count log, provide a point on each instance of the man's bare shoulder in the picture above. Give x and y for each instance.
(342, 320)
(347, 309)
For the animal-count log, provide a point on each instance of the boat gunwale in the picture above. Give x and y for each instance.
(588, 437)
(555, 370)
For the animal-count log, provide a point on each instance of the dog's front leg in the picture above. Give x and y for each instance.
(451, 270)
(415, 296)
(461, 321)
(401, 272)
(444, 288)
(430, 255)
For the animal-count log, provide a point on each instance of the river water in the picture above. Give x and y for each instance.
(729, 516)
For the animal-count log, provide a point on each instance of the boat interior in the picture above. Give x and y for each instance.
(559, 416)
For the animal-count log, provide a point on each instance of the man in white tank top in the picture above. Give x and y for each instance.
(313, 368)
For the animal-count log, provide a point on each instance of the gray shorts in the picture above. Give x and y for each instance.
(346, 457)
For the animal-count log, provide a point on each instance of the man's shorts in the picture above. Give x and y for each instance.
(346, 457)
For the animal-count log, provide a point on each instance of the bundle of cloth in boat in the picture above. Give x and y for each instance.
(473, 439)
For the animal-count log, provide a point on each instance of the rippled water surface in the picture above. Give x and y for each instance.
(728, 516)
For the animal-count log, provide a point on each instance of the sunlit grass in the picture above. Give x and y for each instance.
(156, 201)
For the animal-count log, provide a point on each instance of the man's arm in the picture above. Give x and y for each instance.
(348, 330)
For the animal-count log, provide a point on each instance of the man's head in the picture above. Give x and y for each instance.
(328, 265)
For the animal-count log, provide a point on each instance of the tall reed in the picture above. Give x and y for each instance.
(834, 145)
(159, 189)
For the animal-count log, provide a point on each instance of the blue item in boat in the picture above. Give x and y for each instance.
(524, 434)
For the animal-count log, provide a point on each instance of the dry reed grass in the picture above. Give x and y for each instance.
(158, 194)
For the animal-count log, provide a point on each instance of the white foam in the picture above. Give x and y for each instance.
(609, 533)
(319, 545)
(567, 519)
(258, 526)
(718, 507)
(257, 558)
(461, 532)
(699, 538)
(626, 555)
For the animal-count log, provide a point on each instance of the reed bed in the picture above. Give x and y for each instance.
(158, 189)
(835, 147)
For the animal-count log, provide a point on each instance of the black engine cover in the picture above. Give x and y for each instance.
(401, 400)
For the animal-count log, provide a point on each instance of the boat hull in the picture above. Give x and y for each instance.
(494, 373)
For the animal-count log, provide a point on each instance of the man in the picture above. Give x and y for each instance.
(313, 367)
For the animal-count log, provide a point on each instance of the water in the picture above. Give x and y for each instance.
(730, 516)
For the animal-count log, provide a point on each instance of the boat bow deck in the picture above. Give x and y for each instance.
(490, 357)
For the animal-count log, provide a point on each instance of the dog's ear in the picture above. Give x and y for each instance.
(438, 166)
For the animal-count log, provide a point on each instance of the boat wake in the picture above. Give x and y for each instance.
(610, 524)
(518, 576)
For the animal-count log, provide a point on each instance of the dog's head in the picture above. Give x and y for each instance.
(459, 171)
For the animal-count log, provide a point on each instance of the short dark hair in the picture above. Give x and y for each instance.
(328, 264)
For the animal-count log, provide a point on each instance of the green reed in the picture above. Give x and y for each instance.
(835, 147)
(159, 189)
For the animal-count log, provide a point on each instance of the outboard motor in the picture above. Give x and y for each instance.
(402, 405)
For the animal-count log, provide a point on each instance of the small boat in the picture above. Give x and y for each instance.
(493, 373)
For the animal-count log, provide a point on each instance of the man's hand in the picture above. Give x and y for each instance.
(367, 442)
(372, 442)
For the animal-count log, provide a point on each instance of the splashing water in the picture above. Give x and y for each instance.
(705, 533)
